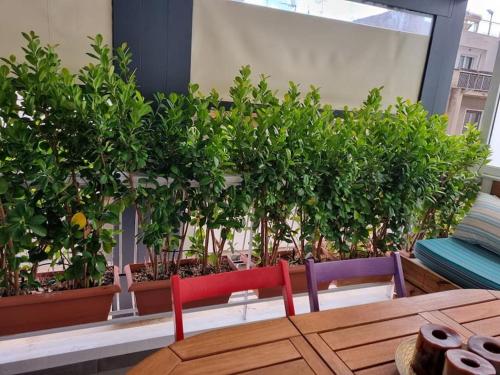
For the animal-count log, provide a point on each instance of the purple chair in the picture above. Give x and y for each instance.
(346, 269)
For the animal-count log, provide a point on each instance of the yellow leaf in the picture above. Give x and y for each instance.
(79, 219)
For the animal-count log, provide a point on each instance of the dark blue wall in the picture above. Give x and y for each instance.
(159, 35)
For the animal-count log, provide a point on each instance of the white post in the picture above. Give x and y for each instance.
(249, 262)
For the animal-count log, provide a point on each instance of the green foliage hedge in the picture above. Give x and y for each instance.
(76, 150)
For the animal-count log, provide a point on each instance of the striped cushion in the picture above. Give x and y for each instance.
(481, 226)
(467, 265)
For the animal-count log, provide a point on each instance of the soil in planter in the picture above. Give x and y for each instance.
(153, 296)
(49, 283)
(288, 256)
(185, 270)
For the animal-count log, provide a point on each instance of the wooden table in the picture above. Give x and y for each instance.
(360, 339)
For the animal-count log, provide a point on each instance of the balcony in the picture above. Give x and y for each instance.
(303, 238)
(470, 80)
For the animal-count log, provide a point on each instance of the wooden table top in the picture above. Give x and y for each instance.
(359, 339)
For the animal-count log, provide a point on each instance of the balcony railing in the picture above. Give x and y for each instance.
(484, 27)
(472, 80)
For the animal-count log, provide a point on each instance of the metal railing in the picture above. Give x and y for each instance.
(474, 80)
(484, 27)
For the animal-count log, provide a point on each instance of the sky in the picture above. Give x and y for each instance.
(344, 10)
(480, 6)
(351, 10)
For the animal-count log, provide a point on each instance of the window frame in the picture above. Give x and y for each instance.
(464, 57)
(477, 111)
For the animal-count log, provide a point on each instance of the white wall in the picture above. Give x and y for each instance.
(482, 47)
(63, 22)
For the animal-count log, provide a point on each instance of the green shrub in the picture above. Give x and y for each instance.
(65, 145)
(453, 186)
(76, 150)
(371, 181)
(188, 142)
(276, 146)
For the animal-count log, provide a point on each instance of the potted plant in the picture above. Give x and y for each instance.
(61, 188)
(185, 188)
(340, 187)
(394, 167)
(273, 146)
(454, 186)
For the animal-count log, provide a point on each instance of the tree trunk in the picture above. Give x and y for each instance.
(318, 248)
(263, 240)
(205, 251)
(184, 230)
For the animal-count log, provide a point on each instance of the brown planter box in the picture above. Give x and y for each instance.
(57, 309)
(152, 297)
(422, 278)
(298, 280)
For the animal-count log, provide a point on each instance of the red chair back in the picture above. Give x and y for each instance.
(203, 287)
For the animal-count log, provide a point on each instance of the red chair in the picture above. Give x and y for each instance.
(203, 287)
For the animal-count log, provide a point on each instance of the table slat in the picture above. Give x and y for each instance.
(496, 293)
(474, 312)
(310, 356)
(386, 369)
(298, 366)
(486, 327)
(240, 360)
(369, 333)
(449, 299)
(163, 359)
(437, 317)
(372, 354)
(356, 315)
(328, 320)
(242, 336)
(329, 356)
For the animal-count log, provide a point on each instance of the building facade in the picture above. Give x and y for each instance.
(473, 73)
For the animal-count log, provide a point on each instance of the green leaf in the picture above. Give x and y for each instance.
(38, 229)
(4, 186)
(37, 220)
(205, 180)
(100, 267)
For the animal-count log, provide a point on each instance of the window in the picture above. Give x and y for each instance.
(466, 62)
(472, 117)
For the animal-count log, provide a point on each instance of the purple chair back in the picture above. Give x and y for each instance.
(346, 269)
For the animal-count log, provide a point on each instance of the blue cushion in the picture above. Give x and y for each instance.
(481, 226)
(467, 265)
